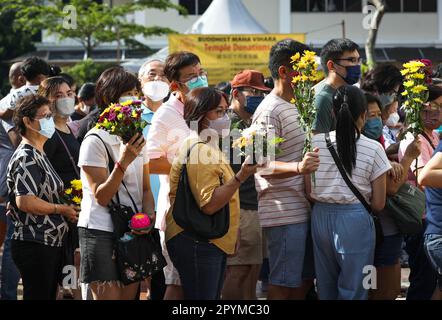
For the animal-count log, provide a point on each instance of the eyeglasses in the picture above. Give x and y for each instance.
(152, 75)
(253, 91)
(47, 116)
(221, 112)
(352, 60)
(194, 79)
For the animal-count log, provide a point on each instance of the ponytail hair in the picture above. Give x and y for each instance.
(349, 103)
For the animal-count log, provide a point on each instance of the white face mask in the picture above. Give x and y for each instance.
(127, 98)
(65, 106)
(156, 90)
(392, 120)
(221, 126)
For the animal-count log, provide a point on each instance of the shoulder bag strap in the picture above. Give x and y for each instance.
(111, 167)
(345, 176)
(69, 154)
(429, 140)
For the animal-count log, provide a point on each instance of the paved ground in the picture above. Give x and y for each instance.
(261, 295)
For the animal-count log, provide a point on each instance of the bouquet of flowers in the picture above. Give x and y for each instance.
(123, 119)
(73, 194)
(259, 141)
(141, 223)
(307, 76)
(304, 80)
(416, 94)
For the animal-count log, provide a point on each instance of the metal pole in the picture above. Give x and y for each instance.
(343, 29)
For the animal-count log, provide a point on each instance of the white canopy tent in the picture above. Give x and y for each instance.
(221, 17)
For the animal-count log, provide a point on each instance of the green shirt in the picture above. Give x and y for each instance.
(325, 120)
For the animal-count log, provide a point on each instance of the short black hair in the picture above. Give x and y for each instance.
(68, 78)
(281, 54)
(382, 79)
(177, 61)
(87, 91)
(334, 49)
(32, 67)
(27, 107)
(55, 70)
(434, 92)
(373, 99)
(224, 86)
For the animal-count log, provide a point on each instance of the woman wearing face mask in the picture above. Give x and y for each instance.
(129, 178)
(422, 276)
(201, 265)
(387, 254)
(62, 150)
(34, 193)
(342, 229)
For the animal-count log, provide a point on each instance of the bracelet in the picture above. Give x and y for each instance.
(119, 166)
(297, 167)
(55, 209)
(237, 179)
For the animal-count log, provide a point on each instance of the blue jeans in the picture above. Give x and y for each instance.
(201, 266)
(422, 277)
(343, 245)
(10, 274)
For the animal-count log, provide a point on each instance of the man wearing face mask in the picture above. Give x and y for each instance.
(243, 269)
(155, 87)
(342, 65)
(168, 130)
(86, 101)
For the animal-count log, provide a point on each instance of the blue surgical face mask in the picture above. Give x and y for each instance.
(252, 103)
(197, 82)
(353, 74)
(47, 127)
(373, 128)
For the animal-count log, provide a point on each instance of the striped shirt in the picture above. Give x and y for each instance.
(282, 201)
(371, 163)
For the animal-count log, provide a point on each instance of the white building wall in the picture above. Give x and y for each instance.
(397, 29)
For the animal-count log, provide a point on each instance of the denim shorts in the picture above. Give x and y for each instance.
(97, 256)
(433, 249)
(389, 251)
(290, 251)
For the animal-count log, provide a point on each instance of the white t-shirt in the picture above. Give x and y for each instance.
(371, 163)
(93, 154)
(10, 101)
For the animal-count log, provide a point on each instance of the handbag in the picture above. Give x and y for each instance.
(139, 256)
(406, 208)
(377, 223)
(188, 215)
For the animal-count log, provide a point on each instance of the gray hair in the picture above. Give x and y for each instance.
(143, 68)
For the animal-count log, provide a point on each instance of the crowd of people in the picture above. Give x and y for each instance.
(305, 223)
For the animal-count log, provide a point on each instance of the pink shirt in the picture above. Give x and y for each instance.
(426, 153)
(166, 134)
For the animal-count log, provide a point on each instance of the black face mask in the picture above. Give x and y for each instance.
(252, 103)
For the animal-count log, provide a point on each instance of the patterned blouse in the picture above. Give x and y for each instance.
(31, 173)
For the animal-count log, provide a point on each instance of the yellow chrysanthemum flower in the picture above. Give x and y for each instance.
(419, 76)
(418, 100)
(408, 84)
(76, 184)
(76, 200)
(68, 191)
(296, 79)
(296, 57)
(134, 114)
(404, 72)
(120, 116)
(418, 89)
(405, 93)
(127, 103)
(302, 65)
(293, 101)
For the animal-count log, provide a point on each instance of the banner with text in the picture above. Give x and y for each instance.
(223, 56)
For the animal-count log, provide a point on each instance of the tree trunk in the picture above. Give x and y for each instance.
(88, 48)
(370, 44)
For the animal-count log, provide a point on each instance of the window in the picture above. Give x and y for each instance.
(411, 6)
(429, 6)
(326, 5)
(393, 5)
(195, 7)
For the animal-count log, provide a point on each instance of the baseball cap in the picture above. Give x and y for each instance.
(249, 78)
